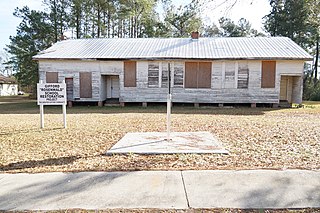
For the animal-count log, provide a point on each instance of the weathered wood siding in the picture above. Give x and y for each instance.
(295, 69)
(229, 80)
(72, 68)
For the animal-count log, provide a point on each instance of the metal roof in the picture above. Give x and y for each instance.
(176, 48)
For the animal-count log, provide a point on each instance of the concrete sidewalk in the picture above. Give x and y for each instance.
(161, 189)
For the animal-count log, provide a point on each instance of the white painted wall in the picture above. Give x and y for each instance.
(8, 89)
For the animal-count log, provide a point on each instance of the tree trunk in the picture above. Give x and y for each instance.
(316, 62)
(109, 23)
(78, 23)
(55, 21)
(98, 21)
(131, 27)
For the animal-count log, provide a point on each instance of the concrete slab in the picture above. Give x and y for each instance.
(253, 189)
(156, 143)
(93, 190)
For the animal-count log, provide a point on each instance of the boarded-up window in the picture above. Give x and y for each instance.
(204, 75)
(158, 74)
(178, 74)
(130, 70)
(243, 75)
(191, 75)
(85, 85)
(51, 77)
(268, 76)
(176, 70)
(198, 75)
(229, 81)
(153, 74)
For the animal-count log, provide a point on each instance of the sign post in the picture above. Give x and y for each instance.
(52, 94)
(169, 100)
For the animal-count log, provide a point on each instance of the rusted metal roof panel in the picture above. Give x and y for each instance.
(176, 48)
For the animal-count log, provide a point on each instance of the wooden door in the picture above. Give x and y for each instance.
(283, 88)
(85, 85)
(69, 84)
(286, 86)
(115, 87)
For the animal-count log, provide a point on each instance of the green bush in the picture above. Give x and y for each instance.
(311, 89)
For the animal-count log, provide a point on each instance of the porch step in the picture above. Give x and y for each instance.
(112, 105)
(112, 102)
(284, 104)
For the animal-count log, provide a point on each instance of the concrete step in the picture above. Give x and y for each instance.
(112, 104)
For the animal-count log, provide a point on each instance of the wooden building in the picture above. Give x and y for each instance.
(203, 70)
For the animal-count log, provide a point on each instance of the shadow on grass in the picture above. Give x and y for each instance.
(38, 163)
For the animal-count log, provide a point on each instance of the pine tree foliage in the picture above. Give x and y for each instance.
(33, 35)
(300, 21)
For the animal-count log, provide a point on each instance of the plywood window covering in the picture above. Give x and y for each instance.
(198, 75)
(85, 85)
(268, 76)
(243, 75)
(178, 74)
(130, 73)
(191, 75)
(153, 74)
(52, 77)
(204, 75)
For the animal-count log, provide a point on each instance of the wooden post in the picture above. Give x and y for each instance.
(168, 116)
(169, 99)
(41, 116)
(64, 109)
(41, 113)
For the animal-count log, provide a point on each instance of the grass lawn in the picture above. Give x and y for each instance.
(256, 138)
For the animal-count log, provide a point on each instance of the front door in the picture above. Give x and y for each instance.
(115, 86)
(286, 88)
(69, 84)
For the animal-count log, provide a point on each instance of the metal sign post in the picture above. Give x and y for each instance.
(169, 100)
(52, 94)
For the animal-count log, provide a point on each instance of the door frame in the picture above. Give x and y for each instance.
(109, 86)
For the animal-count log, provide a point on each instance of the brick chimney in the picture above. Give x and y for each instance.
(195, 35)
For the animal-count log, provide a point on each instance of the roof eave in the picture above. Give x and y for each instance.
(177, 58)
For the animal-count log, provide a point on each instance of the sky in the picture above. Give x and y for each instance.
(252, 10)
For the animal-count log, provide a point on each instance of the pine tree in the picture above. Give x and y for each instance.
(34, 34)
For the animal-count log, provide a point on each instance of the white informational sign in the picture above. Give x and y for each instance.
(52, 94)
